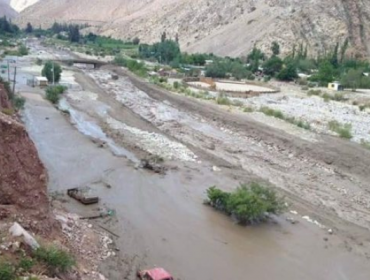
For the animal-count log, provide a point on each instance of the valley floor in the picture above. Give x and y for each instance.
(161, 220)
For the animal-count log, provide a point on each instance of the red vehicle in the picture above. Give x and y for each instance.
(155, 274)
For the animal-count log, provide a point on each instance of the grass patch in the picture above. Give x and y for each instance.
(25, 264)
(56, 260)
(343, 130)
(7, 111)
(278, 114)
(272, 113)
(248, 204)
(248, 110)
(7, 271)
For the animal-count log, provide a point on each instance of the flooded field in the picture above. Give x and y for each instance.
(161, 220)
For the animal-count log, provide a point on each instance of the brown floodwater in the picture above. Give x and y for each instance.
(162, 221)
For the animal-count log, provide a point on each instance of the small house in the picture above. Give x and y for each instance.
(335, 86)
(41, 81)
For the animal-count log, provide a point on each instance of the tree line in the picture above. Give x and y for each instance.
(7, 27)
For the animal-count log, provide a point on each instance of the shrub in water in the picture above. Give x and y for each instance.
(249, 204)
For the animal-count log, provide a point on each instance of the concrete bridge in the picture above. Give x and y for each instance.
(95, 64)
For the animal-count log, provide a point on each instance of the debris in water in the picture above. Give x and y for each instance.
(83, 196)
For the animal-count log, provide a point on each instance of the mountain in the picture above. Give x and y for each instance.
(229, 27)
(6, 9)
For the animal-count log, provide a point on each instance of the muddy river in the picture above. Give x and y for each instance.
(161, 219)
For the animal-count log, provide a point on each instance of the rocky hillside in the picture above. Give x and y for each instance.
(6, 9)
(230, 27)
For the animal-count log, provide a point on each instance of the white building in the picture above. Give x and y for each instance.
(335, 86)
(41, 81)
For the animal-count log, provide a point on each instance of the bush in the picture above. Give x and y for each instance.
(53, 93)
(7, 271)
(344, 131)
(56, 260)
(305, 88)
(22, 50)
(327, 97)
(249, 204)
(314, 92)
(18, 102)
(248, 110)
(176, 85)
(339, 97)
(365, 144)
(237, 103)
(223, 100)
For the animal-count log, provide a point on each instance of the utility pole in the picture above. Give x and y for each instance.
(8, 71)
(53, 75)
(15, 77)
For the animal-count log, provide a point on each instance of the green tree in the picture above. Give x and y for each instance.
(326, 73)
(166, 51)
(352, 79)
(163, 37)
(334, 58)
(239, 71)
(74, 33)
(136, 41)
(288, 73)
(48, 70)
(343, 50)
(275, 48)
(29, 28)
(272, 66)
(216, 70)
(306, 65)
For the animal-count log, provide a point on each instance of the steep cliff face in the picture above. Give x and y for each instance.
(230, 27)
(22, 175)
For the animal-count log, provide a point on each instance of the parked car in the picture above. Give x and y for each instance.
(154, 274)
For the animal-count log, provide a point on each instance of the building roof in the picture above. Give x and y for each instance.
(159, 274)
(41, 79)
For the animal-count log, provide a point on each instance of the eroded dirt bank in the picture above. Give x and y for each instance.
(28, 218)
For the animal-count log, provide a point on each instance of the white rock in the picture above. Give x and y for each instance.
(216, 169)
(18, 231)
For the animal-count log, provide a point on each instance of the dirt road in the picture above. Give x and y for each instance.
(161, 219)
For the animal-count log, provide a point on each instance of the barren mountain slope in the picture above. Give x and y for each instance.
(6, 10)
(224, 27)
